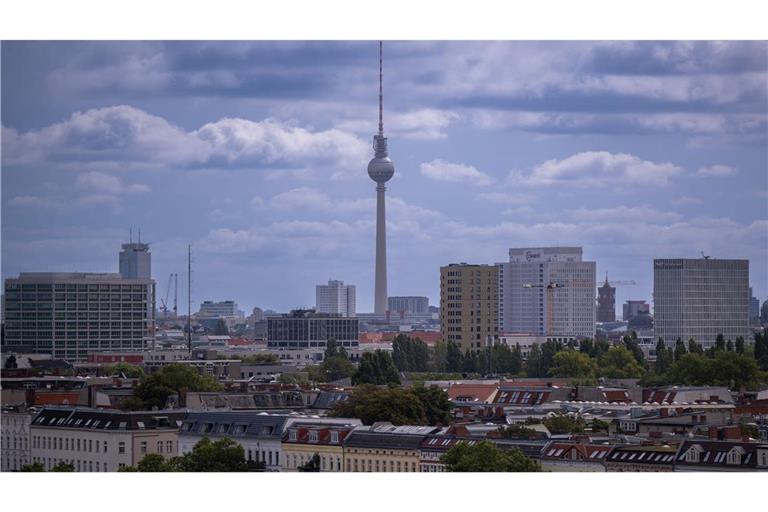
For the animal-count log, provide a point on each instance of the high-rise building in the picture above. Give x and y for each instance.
(69, 315)
(469, 305)
(633, 308)
(223, 309)
(700, 298)
(409, 306)
(606, 302)
(136, 261)
(754, 307)
(306, 329)
(380, 170)
(548, 291)
(335, 298)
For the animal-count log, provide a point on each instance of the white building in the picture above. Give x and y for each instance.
(336, 298)
(547, 291)
(223, 309)
(16, 444)
(527, 341)
(700, 298)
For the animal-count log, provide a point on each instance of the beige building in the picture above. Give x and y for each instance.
(469, 305)
(385, 448)
(303, 440)
(15, 437)
(95, 440)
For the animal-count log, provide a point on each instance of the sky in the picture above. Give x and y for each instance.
(256, 153)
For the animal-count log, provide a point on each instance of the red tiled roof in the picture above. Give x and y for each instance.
(472, 392)
(567, 451)
(524, 396)
(54, 398)
(324, 434)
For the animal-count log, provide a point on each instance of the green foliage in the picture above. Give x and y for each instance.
(664, 357)
(486, 457)
(376, 368)
(400, 406)
(761, 350)
(599, 425)
(533, 365)
(724, 368)
(154, 463)
(410, 354)
(258, 359)
(222, 455)
(312, 465)
(294, 377)
(454, 359)
(63, 467)
(680, 349)
(569, 363)
(132, 403)
(630, 341)
(333, 349)
(438, 357)
(516, 432)
(594, 348)
(619, 363)
(334, 368)
(561, 423)
(175, 378)
(131, 371)
(694, 348)
(35, 467)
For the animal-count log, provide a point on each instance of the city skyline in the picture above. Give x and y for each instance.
(256, 153)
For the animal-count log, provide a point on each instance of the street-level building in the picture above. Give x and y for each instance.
(700, 298)
(98, 440)
(70, 315)
(305, 439)
(469, 305)
(385, 448)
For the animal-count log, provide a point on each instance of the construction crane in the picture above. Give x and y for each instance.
(618, 283)
(175, 295)
(164, 300)
(550, 303)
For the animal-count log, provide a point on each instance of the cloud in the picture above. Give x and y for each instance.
(33, 202)
(718, 171)
(257, 202)
(440, 170)
(123, 134)
(504, 198)
(421, 124)
(108, 184)
(301, 198)
(646, 214)
(599, 168)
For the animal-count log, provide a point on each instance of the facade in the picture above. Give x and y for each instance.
(527, 341)
(606, 302)
(641, 458)
(569, 457)
(385, 448)
(721, 456)
(701, 298)
(547, 291)
(469, 305)
(409, 306)
(16, 441)
(754, 308)
(307, 330)
(335, 298)
(223, 309)
(96, 440)
(70, 315)
(136, 261)
(305, 439)
(632, 308)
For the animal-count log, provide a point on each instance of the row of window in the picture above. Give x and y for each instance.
(74, 444)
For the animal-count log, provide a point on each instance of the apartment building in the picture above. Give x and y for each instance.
(336, 298)
(305, 439)
(385, 448)
(16, 444)
(469, 305)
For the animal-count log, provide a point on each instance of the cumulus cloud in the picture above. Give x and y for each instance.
(625, 213)
(108, 184)
(599, 168)
(718, 171)
(126, 135)
(421, 124)
(440, 170)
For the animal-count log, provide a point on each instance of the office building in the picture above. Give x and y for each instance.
(469, 305)
(136, 261)
(633, 308)
(701, 298)
(409, 306)
(70, 315)
(754, 308)
(223, 309)
(606, 302)
(548, 291)
(335, 298)
(307, 330)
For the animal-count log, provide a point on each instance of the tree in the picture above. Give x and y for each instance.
(516, 432)
(222, 455)
(630, 341)
(131, 371)
(453, 358)
(664, 358)
(680, 350)
(694, 348)
(599, 425)
(761, 350)
(258, 359)
(438, 360)
(399, 406)
(729, 346)
(723, 369)
(719, 344)
(409, 354)
(533, 367)
(561, 423)
(376, 368)
(569, 363)
(739, 345)
(312, 465)
(63, 467)
(154, 463)
(619, 363)
(486, 457)
(548, 350)
(336, 368)
(333, 349)
(35, 467)
(437, 405)
(176, 378)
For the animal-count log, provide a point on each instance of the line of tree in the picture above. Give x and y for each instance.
(173, 379)
(418, 405)
(222, 455)
(486, 457)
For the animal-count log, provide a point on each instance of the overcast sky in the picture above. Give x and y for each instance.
(256, 154)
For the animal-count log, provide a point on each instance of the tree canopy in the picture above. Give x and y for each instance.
(486, 457)
(376, 368)
(569, 363)
(619, 363)
(399, 406)
(155, 389)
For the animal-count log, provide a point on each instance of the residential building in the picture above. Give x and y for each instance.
(16, 442)
(308, 330)
(70, 315)
(701, 298)
(721, 456)
(305, 439)
(606, 302)
(641, 458)
(469, 305)
(383, 447)
(335, 298)
(571, 457)
(633, 308)
(547, 291)
(409, 306)
(135, 261)
(434, 446)
(96, 440)
(527, 341)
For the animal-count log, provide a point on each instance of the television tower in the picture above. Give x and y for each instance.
(381, 170)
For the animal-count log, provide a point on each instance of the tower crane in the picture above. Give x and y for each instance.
(164, 300)
(550, 302)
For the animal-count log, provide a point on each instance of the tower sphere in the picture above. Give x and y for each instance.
(381, 169)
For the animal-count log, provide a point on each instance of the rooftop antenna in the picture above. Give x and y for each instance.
(130, 234)
(381, 93)
(189, 298)
(139, 235)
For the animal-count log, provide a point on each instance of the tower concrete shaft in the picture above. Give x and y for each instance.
(380, 291)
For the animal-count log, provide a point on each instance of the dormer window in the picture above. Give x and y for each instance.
(292, 436)
(693, 453)
(335, 437)
(734, 456)
(313, 436)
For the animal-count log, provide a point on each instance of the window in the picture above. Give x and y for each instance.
(105, 447)
(143, 447)
(335, 437)
(313, 436)
(121, 447)
(159, 447)
(292, 436)
(169, 446)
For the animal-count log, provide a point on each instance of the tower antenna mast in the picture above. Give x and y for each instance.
(189, 298)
